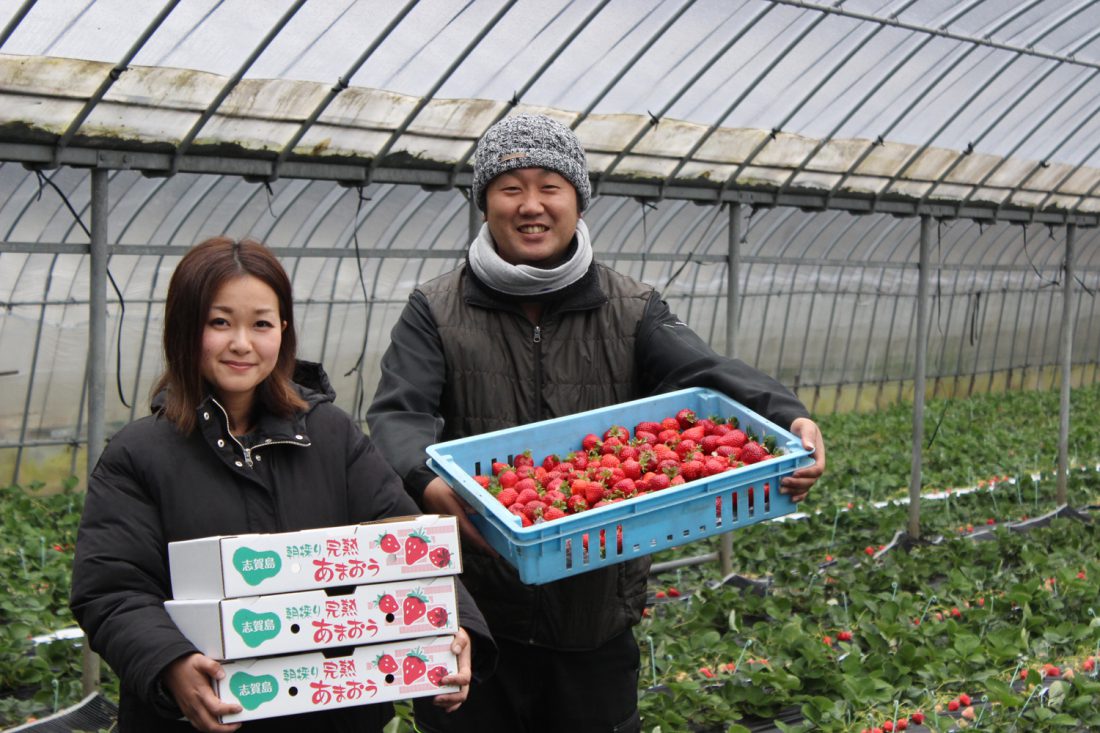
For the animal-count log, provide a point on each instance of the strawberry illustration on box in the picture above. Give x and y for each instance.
(258, 564)
(303, 683)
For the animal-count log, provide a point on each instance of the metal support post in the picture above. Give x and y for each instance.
(97, 366)
(733, 303)
(918, 378)
(1067, 365)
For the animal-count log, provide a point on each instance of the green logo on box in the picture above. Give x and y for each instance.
(252, 692)
(255, 628)
(256, 566)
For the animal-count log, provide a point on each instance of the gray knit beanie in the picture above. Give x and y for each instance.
(530, 141)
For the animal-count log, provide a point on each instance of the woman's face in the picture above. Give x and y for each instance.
(241, 339)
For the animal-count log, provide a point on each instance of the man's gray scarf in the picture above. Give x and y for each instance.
(526, 280)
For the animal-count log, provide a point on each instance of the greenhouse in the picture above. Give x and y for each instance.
(891, 207)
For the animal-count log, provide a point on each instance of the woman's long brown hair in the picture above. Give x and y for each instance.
(195, 282)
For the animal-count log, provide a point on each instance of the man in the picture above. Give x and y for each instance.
(530, 328)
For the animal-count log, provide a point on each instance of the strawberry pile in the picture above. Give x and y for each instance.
(620, 465)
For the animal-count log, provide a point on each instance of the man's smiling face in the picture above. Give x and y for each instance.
(532, 216)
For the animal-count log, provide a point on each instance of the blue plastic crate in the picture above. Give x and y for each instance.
(582, 542)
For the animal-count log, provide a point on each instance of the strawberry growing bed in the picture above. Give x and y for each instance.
(825, 625)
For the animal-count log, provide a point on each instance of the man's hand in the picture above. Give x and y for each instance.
(462, 648)
(798, 484)
(440, 498)
(188, 680)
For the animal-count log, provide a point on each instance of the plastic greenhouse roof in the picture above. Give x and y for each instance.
(985, 109)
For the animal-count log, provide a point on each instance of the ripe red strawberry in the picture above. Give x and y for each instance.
(590, 442)
(552, 513)
(594, 493)
(611, 446)
(686, 447)
(964, 699)
(644, 437)
(527, 496)
(625, 486)
(507, 479)
(844, 636)
(437, 617)
(527, 484)
(388, 543)
(753, 452)
(888, 726)
(414, 667)
(647, 426)
(386, 664)
(953, 705)
(436, 675)
(673, 592)
(659, 482)
(554, 497)
(917, 717)
(387, 603)
(714, 465)
(694, 434)
(685, 418)
(735, 438)
(709, 444)
(414, 607)
(617, 431)
(631, 469)
(534, 509)
(576, 503)
(483, 481)
(524, 459)
(692, 470)
(440, 557)
(416, 547)
(507, 497)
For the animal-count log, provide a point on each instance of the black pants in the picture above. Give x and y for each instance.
(539, 690)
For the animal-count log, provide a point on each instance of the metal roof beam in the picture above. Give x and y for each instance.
(943, 74)
(340, 85)
(1035, 84)
(978, 89)
(656, 118)
(546, 64)
(16, 19)
(985, 41)
(660, 32)
(112, 76)
(886, 77)
(230, 85)
(351, 174)
(426, 98)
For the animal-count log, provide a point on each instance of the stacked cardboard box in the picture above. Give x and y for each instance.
(322, 618)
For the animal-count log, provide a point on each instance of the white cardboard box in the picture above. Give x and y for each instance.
(235, 566)
(304, 683)
(238, 628)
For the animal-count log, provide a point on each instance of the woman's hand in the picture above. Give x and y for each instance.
(462, 648)
(188, 680)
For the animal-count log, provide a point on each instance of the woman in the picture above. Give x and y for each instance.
(242, 439)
